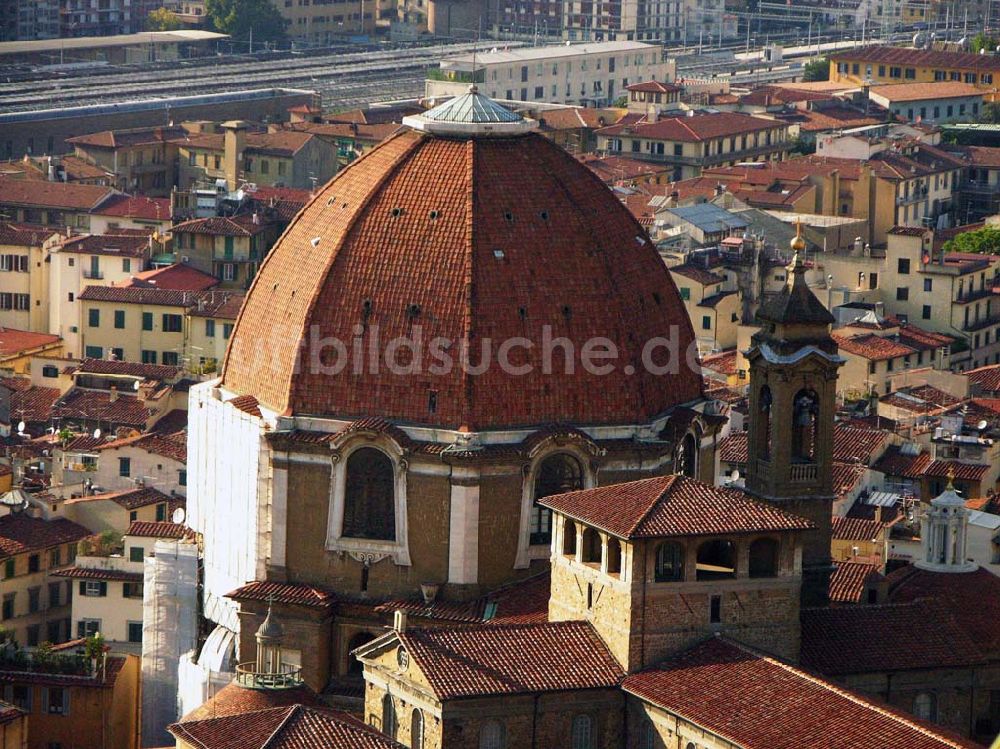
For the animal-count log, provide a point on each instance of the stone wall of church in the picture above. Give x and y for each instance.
(961, 696)
(543, 721)
(500, 496)
(306, 631)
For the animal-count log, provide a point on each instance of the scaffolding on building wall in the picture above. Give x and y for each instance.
(169, 629)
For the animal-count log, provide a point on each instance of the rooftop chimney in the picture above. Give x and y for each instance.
(235, 145)
(113, 394)
(399, 621)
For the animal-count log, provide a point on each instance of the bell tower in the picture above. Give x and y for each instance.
(793, 384)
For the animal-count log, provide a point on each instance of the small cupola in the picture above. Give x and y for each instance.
(944, 532)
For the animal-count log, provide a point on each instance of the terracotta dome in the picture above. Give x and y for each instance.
(486, 230)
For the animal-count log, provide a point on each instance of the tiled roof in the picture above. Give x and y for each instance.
(723, 363)
(140, 295)
(895, 463)
(734, 448)
(15, 341)
(244, 225)
(965, 471)
(33, 404)
(222, 305)
(136, 207)
(287, 593)
(511, 659)
(926, 91)
(279, 143)
(873, 347)
(767, 704)
(93, 573)
(179, 277)
(613, 169)
(20, 533)
(695, 128)
(923, 399)
(973, 598)
(21, 236)
(358, 131)
(922, 58)
(848, 581)
(150, 529)
(855, 529)
(139, 136)
(130, 499)
(247, 404)
(44, 194)
(575, 118)
(78, 170)
(115, 245)
(671, 506)
(537, 212)
(987, 379)
(173, 446)
(126, 369)
(846, 476)
(95, 405)
(654, 87)
(105, 678)
(292, 727)
(866, 639)
(830, 118)
(234, 699)
(695, 273)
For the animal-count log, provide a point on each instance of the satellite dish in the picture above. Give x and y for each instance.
(52, 430)
(982, 425)
(135, 385)
(736, 476)
(178, 515)
(20, 427)
(97, 434)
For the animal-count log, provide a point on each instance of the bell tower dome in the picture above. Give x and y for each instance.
(944, 530)
(793, 385)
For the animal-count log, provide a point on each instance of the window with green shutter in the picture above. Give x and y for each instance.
(94, 318)
(119, 318)
(147, 320)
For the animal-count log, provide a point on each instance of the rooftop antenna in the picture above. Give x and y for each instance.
(475, 51)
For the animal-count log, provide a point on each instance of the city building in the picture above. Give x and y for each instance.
(71, 701)
(932, 103)
(78, 262)
(231, 248)
(117, 510)
(712, 305)
(13, 727)
(29, 19)
(109, 18)
(23, 277)
(590, 74)
(696, 140)
(36, 604)
(143, 160)
(19, 347)
(152, 325)
(478, 532)
(878, 65)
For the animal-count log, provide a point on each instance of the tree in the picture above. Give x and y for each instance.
(985, 241)
(241, 18)
(981, 41)
(162, 19)
(816, 70)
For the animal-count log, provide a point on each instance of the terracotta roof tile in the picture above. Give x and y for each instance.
(696, 128)
(130, 499)
(924, 58)
(723, 363)
(140, 295)
(654, 87)
(20, 533)
(973, 597)
(243, 225)
(856, 529)
(179, 277)
(95, 405)
(557, 210)
(696, 273)
(767, 703)
(33, 404)
(10, 713)
(873, 347)
(15, 341)
(126, 369)
(44, 194)
(964, 471)
(173, 446)
(151, 529)
(92, 573)
(671, 506)
(987, 379)
(511, 659)
(850, 444)
(288, 593)
(896, 463)
(295, 726)
(849, 580)
(136, 207)
(866, 639)
(22, 236)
